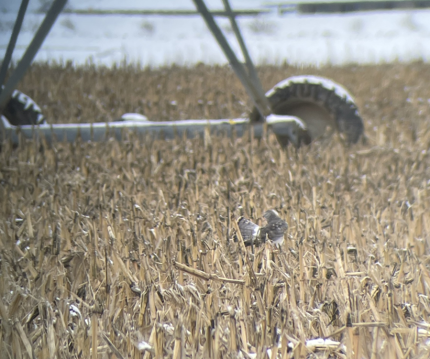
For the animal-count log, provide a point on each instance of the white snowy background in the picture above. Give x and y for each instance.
(152, 40)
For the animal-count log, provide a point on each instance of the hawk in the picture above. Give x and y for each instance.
(253, 234)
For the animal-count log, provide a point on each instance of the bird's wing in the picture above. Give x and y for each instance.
(249, 230)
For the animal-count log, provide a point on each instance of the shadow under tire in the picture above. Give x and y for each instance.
(319, 102)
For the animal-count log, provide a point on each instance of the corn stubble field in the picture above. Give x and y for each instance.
(126, 249)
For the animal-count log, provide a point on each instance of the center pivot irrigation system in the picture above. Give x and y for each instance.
(298, 109)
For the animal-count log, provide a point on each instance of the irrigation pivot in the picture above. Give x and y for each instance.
(102, 131)
(298, 109)
(315, 101)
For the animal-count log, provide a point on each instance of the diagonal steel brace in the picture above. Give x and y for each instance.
(50, 18)
(12, 41)
(249, 80)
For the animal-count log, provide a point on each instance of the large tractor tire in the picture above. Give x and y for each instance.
(322, 104)
(22, 110)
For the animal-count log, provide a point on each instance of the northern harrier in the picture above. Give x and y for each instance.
(253, 234)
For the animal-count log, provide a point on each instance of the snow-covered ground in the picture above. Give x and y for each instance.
(13, 5)
(368, 37)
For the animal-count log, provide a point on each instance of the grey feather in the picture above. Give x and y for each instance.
(250, 231)
(275, 228)
(253, 234)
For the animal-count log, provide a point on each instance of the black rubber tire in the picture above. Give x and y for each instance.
(319, 102)
(22, 110)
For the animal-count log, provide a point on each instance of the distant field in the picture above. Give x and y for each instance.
(126, 249)
(386, 94)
